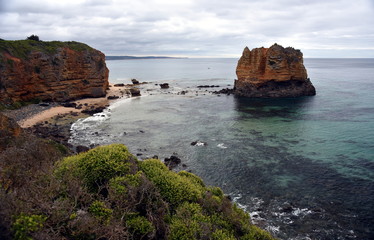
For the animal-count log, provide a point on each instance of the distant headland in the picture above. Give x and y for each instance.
(140, 57)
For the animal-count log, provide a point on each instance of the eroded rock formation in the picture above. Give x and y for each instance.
(50, 71)
(272, 72)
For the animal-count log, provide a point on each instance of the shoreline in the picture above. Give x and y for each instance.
(85, 105)
(54, 120)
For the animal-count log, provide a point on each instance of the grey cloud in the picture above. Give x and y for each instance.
(192, 27)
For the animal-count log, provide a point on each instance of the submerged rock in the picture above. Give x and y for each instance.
(272, 73)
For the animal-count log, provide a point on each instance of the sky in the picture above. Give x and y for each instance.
(196, 28)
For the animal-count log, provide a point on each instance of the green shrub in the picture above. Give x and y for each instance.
(117, 185)
(184, 229)
(100, 211)
(189, 222)
(121, 184)
(24, 225)
(220, 234)
(173, 187)
(97, 166)
(139, 226)
(192, 177)
(216, 191)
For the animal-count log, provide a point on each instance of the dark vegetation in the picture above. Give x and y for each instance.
(106, 193)
(17, 105)
(33, 37)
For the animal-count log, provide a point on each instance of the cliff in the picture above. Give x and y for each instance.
(50, 71)
(272, 72)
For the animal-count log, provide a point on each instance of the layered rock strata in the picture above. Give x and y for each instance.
(50, 71)
(272, 73)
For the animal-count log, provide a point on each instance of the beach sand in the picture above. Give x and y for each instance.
(86, 103)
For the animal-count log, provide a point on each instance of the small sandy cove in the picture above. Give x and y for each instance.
(86, 102)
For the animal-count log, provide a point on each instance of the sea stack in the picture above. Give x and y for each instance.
(273, 72)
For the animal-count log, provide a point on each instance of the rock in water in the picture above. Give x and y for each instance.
(272, 73)
(164, 85)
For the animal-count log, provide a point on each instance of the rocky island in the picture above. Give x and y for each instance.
(273, 72)
(50, 71)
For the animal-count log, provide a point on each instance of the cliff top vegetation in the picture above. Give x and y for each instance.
(22, 48)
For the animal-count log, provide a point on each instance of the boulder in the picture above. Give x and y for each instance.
(134, 81)
(272, 73)
(134, 92)
(112, 97)
(172, 162)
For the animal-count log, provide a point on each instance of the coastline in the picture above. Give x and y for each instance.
(53, 120)
(42, 114)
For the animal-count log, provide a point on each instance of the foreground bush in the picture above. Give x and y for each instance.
(106, 193)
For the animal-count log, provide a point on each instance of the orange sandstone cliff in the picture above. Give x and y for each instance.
(50, 71)
(271, 73)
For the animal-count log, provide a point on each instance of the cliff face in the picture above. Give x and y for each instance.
(50, 71)
(272, 72)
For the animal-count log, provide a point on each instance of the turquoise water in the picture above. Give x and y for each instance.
(303, 167)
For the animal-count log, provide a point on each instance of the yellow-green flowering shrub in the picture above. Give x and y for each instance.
(24, 225)
(106, 193)
(100, 211)
(139, 226)
(220, 234)
(174, 188)
(99, 165)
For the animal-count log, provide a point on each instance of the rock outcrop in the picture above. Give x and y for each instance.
(50, 71)
(271, 73)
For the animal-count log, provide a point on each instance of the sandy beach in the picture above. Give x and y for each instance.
(61, 110)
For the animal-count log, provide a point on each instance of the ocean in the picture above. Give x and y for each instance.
(303, 167)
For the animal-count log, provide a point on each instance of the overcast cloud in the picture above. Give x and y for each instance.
(320, 28)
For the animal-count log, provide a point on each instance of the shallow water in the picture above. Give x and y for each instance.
(303, 167)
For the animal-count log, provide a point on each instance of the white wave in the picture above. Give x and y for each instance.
(83, 128)
(199, 144)
(273, 229)
(221, 145)
(301, 212)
